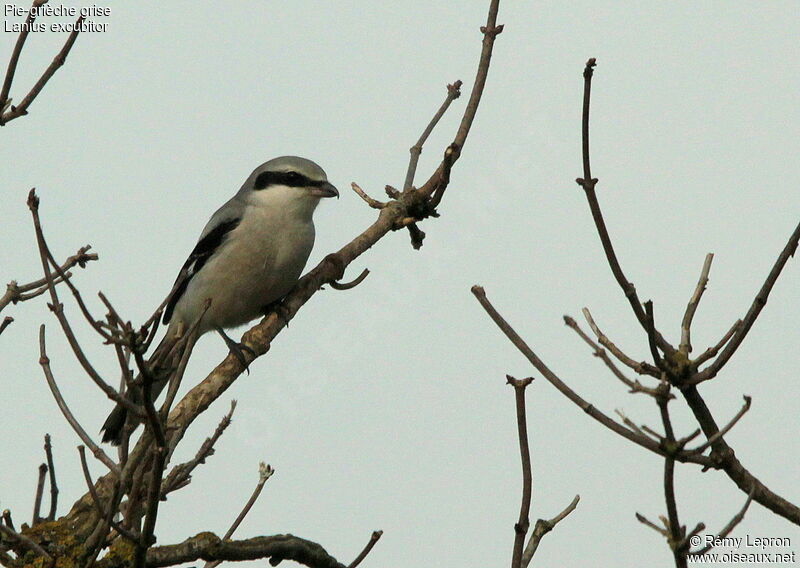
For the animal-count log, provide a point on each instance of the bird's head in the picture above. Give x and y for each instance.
(292, 176)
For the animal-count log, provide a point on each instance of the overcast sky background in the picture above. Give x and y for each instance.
(385, 407)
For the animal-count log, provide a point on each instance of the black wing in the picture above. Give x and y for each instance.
(202, 252)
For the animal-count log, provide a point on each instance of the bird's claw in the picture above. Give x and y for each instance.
(237, 349)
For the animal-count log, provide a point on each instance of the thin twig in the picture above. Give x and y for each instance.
(724, 458)
(642, 368)
(673, 524)
(685, 440)
(58, 61)
(153, 419)
(686, 324)
(58, 309)
(543, 527)
(490, 31)
(453, 92)
(588, 183)
(350, 285)
(51, 468)
(180, 371)
(712, 351)
(37, 501)
(181, 474)
(755, 309)
(265, 471)
(87, 476)
(44, 361)
(702, 447)
(374, 203)
(14, 60)
(551, 377)
(650, 327)
(522, 525)
(602, 354)
(21, 292)
(641, 430)
(146, 538)
(8, 320)
(726, 530)
(647, 522)
(373, 539)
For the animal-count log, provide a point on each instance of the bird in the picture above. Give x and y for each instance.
(250, 254)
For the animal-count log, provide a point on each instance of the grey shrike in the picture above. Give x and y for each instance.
(249, 255)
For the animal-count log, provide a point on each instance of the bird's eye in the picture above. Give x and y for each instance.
(293, 176)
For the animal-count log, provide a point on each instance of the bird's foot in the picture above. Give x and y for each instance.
(237, 349)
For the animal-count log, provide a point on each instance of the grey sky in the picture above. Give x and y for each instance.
(385, 406)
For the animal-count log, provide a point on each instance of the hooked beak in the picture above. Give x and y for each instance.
(325, 190)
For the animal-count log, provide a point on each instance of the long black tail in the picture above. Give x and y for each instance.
(114, 425)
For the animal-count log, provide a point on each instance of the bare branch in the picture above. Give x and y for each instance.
(686, 324)
(643, 368)
(104, 514)
(153, 419)
(724, 458)
(453, 92)
(44, 361)
(265, 471)
(490, 31)
(350, 285)
(685, 440)
(755, 309)
(522, 525)
(650, 327)
(51, 468)
(374, 203)
(726, 530)
(8, 320)
(207, 546)
(159, 460)
(634, 386)
(588, 408)
(647, 522)
(588, 184)
(58, 61)
(673, 524)
(37, 501)
(181, 474)
(22, 292)
(641, 430)
(14, 60)
(543, 527)
(58, 309)
(712, 351)
(702, 447)
(376, 535)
